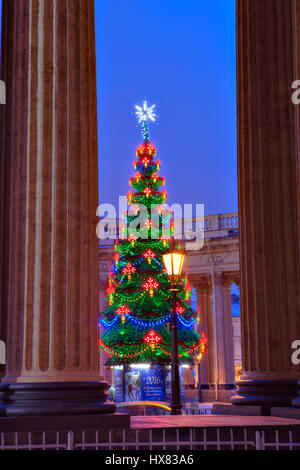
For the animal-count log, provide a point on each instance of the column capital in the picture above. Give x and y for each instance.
(230, 278)
(202, 284)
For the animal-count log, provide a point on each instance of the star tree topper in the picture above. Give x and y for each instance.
(144, 114)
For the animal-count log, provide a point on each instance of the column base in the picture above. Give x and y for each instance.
(265, 392)
(54, 398)
(296, 401)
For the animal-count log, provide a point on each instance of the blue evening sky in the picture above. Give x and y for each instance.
(179, 54)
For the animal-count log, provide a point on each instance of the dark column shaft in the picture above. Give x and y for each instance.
(268, 51)
(49, 191)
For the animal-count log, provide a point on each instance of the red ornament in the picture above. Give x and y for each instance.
(179, 308)
(202, 346)
(129, 197)
(138, 176)
(188, 289)
(129, 269)
(164, 238)
(145, 161)
(152, 339)
(132, 239)
(148, 223)
(110, 290)
(149, 254)
(147, 191)
(123, 310)
(150, 285)
(147, 149)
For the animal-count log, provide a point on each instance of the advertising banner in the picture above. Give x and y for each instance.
(133, 385)
(119, 385)
(153, 388)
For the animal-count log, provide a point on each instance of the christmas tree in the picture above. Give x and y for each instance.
(137, 321)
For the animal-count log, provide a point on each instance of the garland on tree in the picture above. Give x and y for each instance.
(137, 321)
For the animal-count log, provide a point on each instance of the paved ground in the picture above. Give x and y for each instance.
(208, 421)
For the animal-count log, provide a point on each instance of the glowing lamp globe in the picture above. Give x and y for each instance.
(173, 261)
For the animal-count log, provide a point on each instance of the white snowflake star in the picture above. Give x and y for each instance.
(144, 113)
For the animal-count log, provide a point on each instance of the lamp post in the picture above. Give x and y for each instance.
(199, 383)
(173, 261)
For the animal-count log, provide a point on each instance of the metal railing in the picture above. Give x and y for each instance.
(153, 439)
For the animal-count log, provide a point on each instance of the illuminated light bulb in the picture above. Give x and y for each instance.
(110, 290)
(152, 339)
(150, 285)
(187, 289)
(149, 254)
(154, 177)
(129, 269)
(117, 257)
(160, 209)
(202, 347)
(148, 223)
(132, 239)
(122, 311)
(164, 238)
(147, 191)
(134, 164)
(179, 309)
(145, 162)
(129, 197)
(138, 177)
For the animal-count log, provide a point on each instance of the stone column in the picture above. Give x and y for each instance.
(105, 373)
(268, 61)
(228, 328)
(49, 194)
(204, 307)
(224, 331)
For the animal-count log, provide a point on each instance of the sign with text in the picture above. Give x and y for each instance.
(153, 388)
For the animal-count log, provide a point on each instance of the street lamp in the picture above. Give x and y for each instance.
(173, 261)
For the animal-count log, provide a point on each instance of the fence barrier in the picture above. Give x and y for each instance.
(154, 439)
